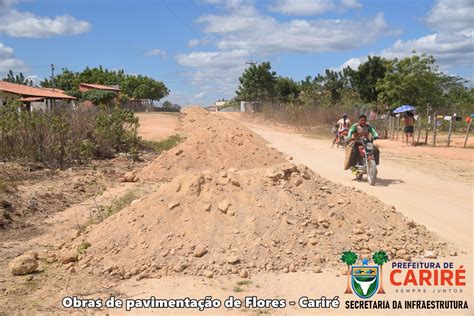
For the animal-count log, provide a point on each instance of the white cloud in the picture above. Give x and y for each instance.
(214, 73)
(351, 62)
(265, 35)
(449, 50)
(451, 44)
(193, 42)
(351, 4)
(156, 52)
(242, 33)
(9, 61)
(312, 7)
(26, 24)
(35, 79)
(451, 15)
(7, 3)
(223, 59)
(200, 41)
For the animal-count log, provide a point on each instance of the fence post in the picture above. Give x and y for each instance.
(450, 129)
(428, 108)
(398, 126)
(419, 129)
(467, 133)
(434, 129)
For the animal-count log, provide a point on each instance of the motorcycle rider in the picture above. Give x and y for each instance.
(361, 129)
(342, 127)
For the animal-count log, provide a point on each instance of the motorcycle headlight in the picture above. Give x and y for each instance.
(369, 146)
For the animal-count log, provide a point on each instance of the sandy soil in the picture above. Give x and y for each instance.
(157, 126)
(409, 178)
(442, 205)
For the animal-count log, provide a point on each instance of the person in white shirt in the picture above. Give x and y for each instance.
(342, 128)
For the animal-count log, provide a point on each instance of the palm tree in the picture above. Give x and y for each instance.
(349, 258)
(380, 258)
(19, 79)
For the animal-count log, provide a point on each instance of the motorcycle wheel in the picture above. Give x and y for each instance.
(359, 176)
(371, 172)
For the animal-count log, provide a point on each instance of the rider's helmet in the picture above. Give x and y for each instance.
(344, 115)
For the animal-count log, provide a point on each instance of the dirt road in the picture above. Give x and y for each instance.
(443, 204)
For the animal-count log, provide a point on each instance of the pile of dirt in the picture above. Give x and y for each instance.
(214, 219)
(212, 143)
(282, 218)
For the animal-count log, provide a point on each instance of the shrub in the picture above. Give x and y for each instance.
(66, 136)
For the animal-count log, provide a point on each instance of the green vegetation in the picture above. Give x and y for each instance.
(81, 249)
(132, 86)
(163, 145)
(64, 137)
(238, 289)
(244, 282)
(378, 83)
(115, 206)
(19, 79)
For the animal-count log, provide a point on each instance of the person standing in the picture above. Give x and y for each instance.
(409, 122)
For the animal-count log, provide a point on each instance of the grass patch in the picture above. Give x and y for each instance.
(244, 282)
(163, 145)
(238, 289)
(3, 186)
(124, 201)
(82, 248)
(101, 212)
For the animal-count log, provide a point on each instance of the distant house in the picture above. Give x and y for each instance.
(212, 108)
(33, 97)
(83, 87)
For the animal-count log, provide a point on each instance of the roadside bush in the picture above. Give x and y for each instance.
(66, 136)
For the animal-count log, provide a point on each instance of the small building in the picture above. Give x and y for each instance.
(212, 108)
(33, 97)
(83, 87)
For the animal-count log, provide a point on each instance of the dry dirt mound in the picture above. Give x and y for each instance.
(279, 218)
(213, 143)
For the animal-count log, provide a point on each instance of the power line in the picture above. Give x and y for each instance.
(178, 17)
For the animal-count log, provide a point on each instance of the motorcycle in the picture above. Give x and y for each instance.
(342, 138)
(366, 161)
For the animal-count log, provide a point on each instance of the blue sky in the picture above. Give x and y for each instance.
(198, 48)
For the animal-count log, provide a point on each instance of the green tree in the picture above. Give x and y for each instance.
(287, 90)
(349, 258)
(380, 258)
(99, 97)
(364, 79)
(413, 80)
(132, 86)
(142, 87)
(331, 85)
(257, 83)
(18, 79)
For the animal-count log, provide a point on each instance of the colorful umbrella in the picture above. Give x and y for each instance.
(404, 108)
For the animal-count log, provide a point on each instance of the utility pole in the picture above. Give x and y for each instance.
(52, 76)
(251, 62)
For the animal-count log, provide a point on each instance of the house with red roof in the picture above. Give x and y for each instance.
(33, 97)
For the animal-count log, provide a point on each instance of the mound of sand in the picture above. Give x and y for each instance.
(212, 143)
(233, 206)
(279, 218)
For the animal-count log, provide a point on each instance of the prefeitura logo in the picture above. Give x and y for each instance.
(364, 280)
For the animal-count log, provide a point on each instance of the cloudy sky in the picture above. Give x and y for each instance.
(198, 48)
